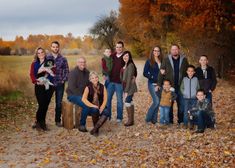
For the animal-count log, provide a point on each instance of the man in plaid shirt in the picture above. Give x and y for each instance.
(61, 76)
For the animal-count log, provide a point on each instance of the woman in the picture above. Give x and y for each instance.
(95, 97)
(42, 77)
(128, 75)
(151, 71)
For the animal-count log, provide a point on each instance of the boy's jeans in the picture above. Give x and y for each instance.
(115, 87)
(164, 114)
(152, 113)
(188, 104)
(203, 117)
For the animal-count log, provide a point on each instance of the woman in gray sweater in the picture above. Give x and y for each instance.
(128, 75)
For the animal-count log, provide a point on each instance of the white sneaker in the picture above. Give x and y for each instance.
(119, 121)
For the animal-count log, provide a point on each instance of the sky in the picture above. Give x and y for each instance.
(24, 17)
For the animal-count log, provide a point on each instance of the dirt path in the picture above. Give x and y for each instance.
(117, 146)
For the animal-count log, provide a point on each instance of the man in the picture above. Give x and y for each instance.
(174, 68)
(115, 82)
(61, 76)
(77, 82)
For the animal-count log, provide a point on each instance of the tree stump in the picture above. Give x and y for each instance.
(67, 115)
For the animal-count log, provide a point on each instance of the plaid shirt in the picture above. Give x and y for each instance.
(62, 69)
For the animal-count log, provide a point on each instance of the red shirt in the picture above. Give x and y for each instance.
(117, 66)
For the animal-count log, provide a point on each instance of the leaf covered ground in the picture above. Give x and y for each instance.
(141, 145)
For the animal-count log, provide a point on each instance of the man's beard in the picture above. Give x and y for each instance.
(55, 52)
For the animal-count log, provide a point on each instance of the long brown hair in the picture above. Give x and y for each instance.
(36, 53)
(152, 59)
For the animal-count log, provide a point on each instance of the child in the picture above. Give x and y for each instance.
(188, 88)
(206, 76)
(167, 97)
(203, 111)
(107, 64)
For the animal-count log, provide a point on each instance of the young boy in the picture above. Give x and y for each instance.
(203, 111)
(107, 64)
(167, 97)
(188, 88)
(206, 76)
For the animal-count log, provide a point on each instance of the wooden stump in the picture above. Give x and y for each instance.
(77, 116)
(67, 115)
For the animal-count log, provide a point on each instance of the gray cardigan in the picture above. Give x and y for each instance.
(127, 78)
(77, 82)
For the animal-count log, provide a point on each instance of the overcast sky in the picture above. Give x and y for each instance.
(24, 17)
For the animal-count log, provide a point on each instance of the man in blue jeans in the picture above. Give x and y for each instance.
(77, 82)
(115, 84)
(61, 76)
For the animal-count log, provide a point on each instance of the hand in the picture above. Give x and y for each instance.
(210, 91)
(125, 95)
(101, 109)
(133, 79)
(104, 77)
(95, 107)
(157, 88)
(163, 71)
(39, 83)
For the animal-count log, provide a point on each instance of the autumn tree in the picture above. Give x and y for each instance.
(106, 29)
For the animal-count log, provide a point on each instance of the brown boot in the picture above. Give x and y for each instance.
(130, 114)
(101, 121)
(95, 118)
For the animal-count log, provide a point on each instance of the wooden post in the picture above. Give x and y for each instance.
(67, 115)
(77, 116)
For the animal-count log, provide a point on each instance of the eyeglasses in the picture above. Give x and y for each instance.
(156, 50)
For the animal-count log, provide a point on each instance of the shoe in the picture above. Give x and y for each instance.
(36, 125)
(130, 114)
(191, 127)
(82, 128)
(119, 121)
(58, 124)
(199, 131)
(44, 127)
(95, 130)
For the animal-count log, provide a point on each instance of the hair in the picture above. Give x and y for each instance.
(174, 44)
(121, 42)
(201, 90)
(191, 66)
(204, 56)
(166, 80)
(36, 53)
(129, 61)
(55, 42)
(93, 73)
(151, 57)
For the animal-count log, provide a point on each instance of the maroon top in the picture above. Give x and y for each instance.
(117, 66)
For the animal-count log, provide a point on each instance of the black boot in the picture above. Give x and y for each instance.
(95, 118)
(101, 121)
(44, 126)
(36, 125)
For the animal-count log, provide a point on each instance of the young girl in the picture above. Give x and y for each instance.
(43, 95)
(151, 71)
(128, 75)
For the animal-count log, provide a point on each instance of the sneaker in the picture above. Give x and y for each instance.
(119, 121)
(199, 131)
(82, 128)
(58, 124)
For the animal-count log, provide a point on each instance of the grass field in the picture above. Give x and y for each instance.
(14, 73)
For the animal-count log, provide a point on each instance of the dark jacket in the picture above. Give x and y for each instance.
(204, 105)
(151, 72)
(167, 64)
(207, 82)
(107, 65)
(77, 82)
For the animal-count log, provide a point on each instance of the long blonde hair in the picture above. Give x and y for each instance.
(36, 53)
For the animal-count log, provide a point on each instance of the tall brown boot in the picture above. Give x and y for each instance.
(130, 115)
(101, 121)
(95, 118)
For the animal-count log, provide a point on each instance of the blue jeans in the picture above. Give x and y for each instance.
(203, 117)
(115, 87)
(180, 106)
(107, 81)
(129, 99)
(59, 93)
(209, 97)
(152, 113)
(188, 104)
(164, 114)
(85, 110)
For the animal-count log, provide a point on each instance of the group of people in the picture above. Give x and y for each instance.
(170, 80)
